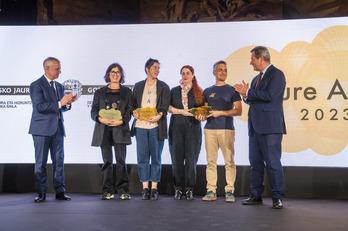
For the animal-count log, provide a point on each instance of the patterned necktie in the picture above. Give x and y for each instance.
(258, 80)
(54, 90)
(56, 94)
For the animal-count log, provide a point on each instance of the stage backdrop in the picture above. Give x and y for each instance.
(313, 54)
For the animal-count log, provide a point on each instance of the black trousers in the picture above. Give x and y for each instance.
(118, 183)
(185, 140)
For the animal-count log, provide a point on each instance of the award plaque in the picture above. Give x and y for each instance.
(204, 110)
(111, 114)
(146, 113)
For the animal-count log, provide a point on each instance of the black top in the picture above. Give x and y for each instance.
(104, 97)
(112, 99)
(176, 101)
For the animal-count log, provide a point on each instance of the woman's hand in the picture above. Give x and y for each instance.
(154, 119)
(200, 117)
(186, 112)
(112, 123)
(135, 114)
(115, 123)
(104, 121)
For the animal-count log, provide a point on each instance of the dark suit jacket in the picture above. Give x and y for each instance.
(45, 116)
(121, 134)
(163, 100)
(266, 114)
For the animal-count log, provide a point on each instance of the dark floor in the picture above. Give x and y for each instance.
(88, 212)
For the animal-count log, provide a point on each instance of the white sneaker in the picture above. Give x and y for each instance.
(107, 196)
(125, 196)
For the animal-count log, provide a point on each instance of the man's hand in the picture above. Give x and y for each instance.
(214, 114)
(242, 88)
(73, 98)
(68, 99)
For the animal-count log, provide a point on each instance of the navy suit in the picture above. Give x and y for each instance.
(47, 129)
(266, 128)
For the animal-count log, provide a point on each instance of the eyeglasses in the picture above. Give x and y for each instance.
(115, 73)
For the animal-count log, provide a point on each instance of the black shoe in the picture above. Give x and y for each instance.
(277, 203)
(189, 195)
(178, 195)
(62, 196)
(40, 198)
(154, 194)
(252, 200)
(145, 194)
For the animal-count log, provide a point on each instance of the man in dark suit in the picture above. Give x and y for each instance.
(47, 128)
(266, 127)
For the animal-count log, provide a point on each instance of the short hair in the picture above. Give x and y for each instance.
(217, 63)
(48, 61)
(150, 62)
(107, 73)
(262, 51)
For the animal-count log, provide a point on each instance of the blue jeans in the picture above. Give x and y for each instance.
(149, 146)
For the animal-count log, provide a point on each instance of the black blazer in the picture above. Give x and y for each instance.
(162, 105)
(121, 134)
(176, 101)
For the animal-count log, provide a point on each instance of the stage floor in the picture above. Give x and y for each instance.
(88, 212)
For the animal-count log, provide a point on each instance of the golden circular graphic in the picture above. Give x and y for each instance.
(315, 98)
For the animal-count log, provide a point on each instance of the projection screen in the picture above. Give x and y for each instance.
(313, 54)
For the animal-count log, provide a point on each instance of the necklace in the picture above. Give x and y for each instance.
(150, 89)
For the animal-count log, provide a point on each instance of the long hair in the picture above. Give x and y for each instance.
(196, 89)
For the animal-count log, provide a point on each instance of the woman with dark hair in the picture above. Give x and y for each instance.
(185, 132)
(113, 133)
(150, 133)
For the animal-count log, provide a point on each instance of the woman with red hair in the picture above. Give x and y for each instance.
(185, 132)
